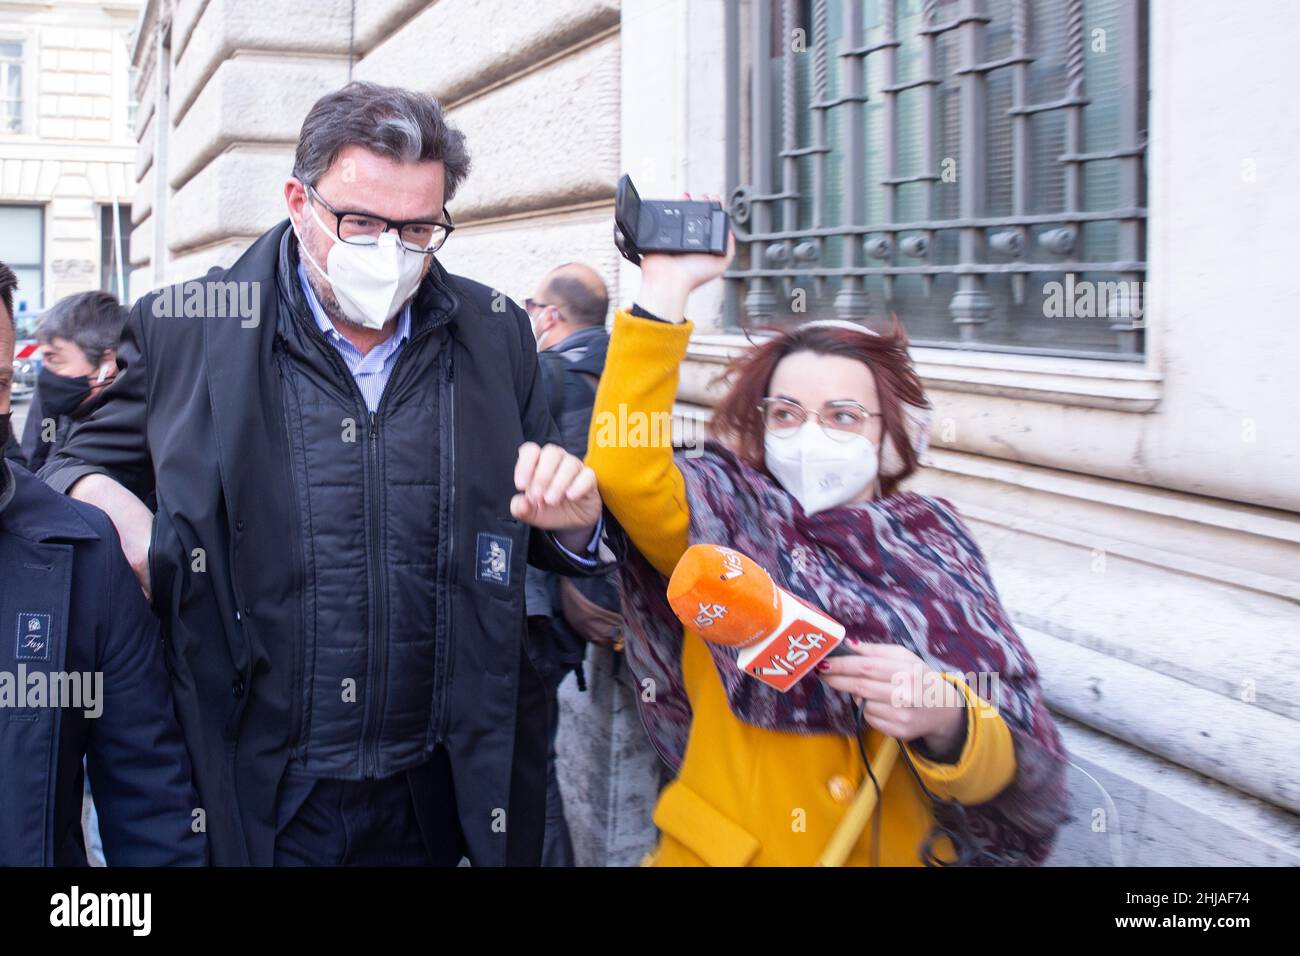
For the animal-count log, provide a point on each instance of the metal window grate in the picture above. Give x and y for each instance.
(973, 166)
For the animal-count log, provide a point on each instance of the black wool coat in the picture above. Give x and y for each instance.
(196, 416)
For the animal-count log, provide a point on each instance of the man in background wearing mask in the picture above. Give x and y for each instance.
(347, 452)
(568, 316)
(79, 335)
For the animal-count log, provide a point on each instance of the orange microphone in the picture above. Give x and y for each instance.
(728, 599)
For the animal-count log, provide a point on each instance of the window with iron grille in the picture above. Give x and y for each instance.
(11, 86)
(22, 248)
(975, 167)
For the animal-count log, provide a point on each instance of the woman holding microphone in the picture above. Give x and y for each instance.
(865, 763)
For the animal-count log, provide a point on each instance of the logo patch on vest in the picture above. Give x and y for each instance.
(493, 558)
(33, 640)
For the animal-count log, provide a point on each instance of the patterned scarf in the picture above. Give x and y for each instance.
(903, 570)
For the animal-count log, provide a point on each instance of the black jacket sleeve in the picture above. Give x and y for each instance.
(13, 452)
(113, 441)
(539, 426)
(32, 445)
(140, 774)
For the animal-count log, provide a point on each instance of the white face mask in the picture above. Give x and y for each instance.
(371, 283)
(539, 336)
(819, 471)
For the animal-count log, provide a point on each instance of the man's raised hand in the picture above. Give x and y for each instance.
(557, 492)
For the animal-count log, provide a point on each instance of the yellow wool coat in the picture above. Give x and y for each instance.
(746, 796)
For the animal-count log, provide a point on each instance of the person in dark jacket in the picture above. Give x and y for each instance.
(79, 335)
(81, 676)
(568, 318)
(11, 450)
(353, 463)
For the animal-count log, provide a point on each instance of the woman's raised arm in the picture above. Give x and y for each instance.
(630, 447)
(630, 443)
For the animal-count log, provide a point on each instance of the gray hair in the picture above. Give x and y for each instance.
(403, 124)
(93, 320)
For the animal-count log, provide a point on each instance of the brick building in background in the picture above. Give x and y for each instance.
(1135, 484)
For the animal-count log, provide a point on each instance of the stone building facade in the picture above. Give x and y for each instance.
(67, 151)
(1142, 519)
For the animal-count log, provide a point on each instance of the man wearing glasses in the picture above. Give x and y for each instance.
(346, 483)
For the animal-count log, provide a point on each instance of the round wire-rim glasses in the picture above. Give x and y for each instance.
(840, 420)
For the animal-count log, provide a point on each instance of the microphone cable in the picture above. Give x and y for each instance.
(860, 725)
(959, 835)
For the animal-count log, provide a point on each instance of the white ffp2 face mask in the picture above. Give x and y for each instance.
(539, 337)
(371, 283)
(819, 471)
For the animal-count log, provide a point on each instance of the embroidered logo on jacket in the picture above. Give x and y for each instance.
(493, 558)
(33, 639)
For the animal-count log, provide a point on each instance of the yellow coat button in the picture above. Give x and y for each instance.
(841, 789)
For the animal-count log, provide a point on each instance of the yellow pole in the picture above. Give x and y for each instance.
(847, 834)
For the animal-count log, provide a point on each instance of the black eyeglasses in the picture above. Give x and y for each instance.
(364, 229)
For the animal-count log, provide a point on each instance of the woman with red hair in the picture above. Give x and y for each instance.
(863, 764)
